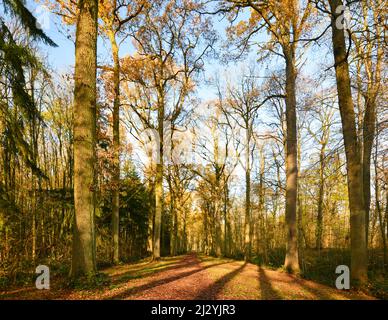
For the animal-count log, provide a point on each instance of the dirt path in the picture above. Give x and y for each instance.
(188, 277)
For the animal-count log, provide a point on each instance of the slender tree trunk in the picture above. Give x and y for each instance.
(184, 236)
(300, 210)
(217, 189)
(318, 244)
(217, 213)
(34, 204)
(291, 262)
(368, 137)
(225, 212)
(116, 149)
(373, 88)
(205, 231)
(386, 231)
(247, 223)
(382, 221)
(262, 210)
(158, 210)
(353, 158)
(159, 181)
(33, 229)
(83, 256)
(174, 214)
(175, 234)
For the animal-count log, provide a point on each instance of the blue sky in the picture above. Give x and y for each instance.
(61, 59)
(63, 55)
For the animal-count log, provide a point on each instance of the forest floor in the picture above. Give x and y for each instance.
(190, 277)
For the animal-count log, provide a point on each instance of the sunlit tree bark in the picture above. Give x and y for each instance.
(353, 157)
(83, 257)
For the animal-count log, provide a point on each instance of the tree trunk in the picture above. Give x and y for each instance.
(116, 149)
(382, 220)
(318, 244)
(386, 231)
(247, 223)
(353, 159)
(174, 242)
(368, 137)
(159, 181)
(158, 210)
(83, 255)
(291, 262)
(373, 88)
(217, 189)
(217, 213)
(225, 213)
(262, 209)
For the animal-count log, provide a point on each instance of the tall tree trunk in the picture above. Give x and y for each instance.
(386, 231)
(291, 261)
(353, 158)
(217, 188)
(158, 210)
(368, 137)
(116, 149)
(318, 244)
(159, 197)
(83, 255)
(217, 213)
(206, 231)
(300, 209)
(225, 213)
(174, 214)
(184, 235)
(174, 242)
(382, 220)
(373, 88)
(247, 222)
(262, 209)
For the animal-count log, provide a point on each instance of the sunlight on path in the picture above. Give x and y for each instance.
(240, 280)
(193, 277)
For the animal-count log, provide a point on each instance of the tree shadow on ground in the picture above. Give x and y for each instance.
(297, 284)
(267, 292)
(162, 281)
(212, 291)
(148, 271)
(143, 270)
(318, 293)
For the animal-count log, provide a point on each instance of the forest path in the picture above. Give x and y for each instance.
(192, 277)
